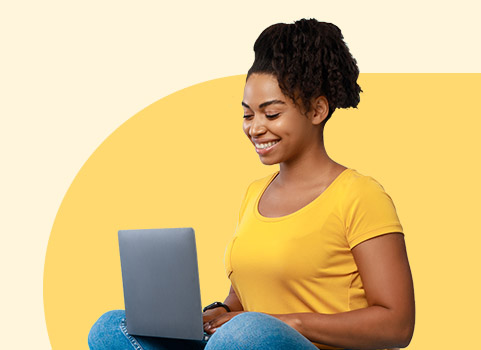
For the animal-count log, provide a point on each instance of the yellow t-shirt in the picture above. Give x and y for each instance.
(302, 262)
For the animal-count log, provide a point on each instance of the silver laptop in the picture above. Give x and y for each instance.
(161, 283)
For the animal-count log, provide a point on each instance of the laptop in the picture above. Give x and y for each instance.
(161, 283)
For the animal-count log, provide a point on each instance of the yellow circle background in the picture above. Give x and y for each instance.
(184, 161)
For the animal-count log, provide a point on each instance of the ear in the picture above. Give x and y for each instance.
(320, 110)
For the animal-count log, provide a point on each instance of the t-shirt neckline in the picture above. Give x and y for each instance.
(299, 211)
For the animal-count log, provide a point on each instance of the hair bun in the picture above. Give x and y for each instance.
(309, 59)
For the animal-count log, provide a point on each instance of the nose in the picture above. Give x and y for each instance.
(256, 126)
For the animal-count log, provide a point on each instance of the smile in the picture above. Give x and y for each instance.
(265, 145)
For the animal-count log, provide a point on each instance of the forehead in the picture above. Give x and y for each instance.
(260, 88)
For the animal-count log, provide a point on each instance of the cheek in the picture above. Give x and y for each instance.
(245, 127)
(282, 128)
(296, 127)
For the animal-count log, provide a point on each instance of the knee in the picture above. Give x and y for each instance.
(252, 320)
(249, 330)
(105, 329)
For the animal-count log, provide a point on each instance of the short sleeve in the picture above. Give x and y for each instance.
(370, 212)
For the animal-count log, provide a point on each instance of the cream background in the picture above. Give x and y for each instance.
(72, 72)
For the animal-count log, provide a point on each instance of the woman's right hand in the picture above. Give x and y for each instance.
(213, 313)
(232, 301)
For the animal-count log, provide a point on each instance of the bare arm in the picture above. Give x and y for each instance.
(388, 321)
(232, 301)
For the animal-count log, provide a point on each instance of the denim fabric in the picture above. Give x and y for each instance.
(110, 333)
(249, 330)
(256, 331)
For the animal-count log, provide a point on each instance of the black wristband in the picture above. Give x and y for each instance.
(216, 305)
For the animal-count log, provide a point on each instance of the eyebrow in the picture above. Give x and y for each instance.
(265, 104)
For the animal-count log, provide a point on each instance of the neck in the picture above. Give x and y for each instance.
(310, 167)
(304, 172)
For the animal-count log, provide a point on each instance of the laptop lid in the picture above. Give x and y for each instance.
(161, 283)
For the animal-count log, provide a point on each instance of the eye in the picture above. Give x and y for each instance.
(272, 116)
(246, 116)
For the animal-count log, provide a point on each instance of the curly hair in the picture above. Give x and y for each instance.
(309, 59)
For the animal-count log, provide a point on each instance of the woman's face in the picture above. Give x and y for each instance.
(273, 123)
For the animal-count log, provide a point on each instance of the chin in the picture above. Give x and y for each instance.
(268, 161)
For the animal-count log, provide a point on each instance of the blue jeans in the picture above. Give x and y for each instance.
(249, 330)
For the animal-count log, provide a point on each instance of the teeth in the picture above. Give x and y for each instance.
(265, 145)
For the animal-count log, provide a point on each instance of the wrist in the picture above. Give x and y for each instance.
(217, 305)
(218, 311)
(292, 320)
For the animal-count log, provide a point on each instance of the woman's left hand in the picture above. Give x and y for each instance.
(290, 319)
(211, 326)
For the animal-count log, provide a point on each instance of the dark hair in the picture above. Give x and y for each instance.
(309, 59)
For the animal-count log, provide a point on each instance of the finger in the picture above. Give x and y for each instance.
(209, 328)
(220, 320)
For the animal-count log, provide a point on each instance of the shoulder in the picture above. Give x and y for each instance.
(259, 184)
(254, 189)
(368, 210)
(357, 185)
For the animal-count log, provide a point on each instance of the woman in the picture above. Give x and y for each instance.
(318, 259)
